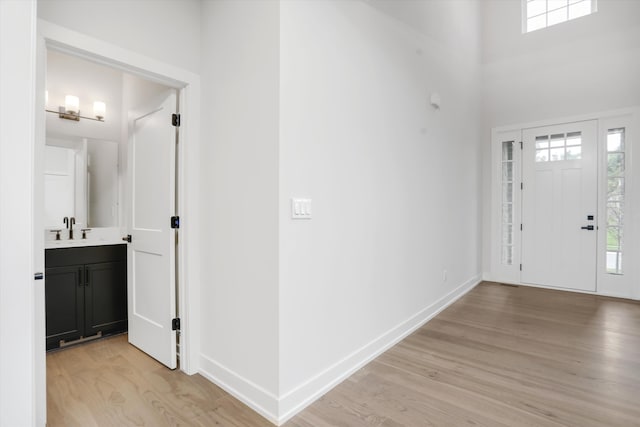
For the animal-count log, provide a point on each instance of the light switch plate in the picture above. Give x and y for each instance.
(300, 208)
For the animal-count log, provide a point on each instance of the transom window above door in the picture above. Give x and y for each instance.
(558, 147)
(539, 14)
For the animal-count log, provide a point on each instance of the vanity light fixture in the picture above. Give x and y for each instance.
(99, 108)
(71, 109)
(72, 104)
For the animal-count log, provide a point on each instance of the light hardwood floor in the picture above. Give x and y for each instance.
(500, 356)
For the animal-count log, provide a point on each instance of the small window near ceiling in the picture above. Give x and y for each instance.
(539, 14)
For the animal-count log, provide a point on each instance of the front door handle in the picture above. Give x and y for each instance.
(588, 227)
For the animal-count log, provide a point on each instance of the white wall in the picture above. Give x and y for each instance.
(329, 100)
(453, 25)
(239, 293)
(167, 30)
(393, 181)
(583, 66)
(20, 369)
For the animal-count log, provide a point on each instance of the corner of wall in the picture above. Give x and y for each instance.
(257, 398)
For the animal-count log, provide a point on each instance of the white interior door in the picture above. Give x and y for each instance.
(559, 206)
(151, 253)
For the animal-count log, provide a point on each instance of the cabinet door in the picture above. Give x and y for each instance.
(64, 300)
(106, 298)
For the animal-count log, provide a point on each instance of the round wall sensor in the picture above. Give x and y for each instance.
(436, 100)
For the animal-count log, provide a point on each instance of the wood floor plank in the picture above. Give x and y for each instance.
(111, 383)
(500, 356)
(506, 355)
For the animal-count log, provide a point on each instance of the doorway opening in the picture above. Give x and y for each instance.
(108, 176)
(187, 84)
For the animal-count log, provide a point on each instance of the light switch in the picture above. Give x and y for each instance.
(300, 208)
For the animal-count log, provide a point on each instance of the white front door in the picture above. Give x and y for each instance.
(559, 206)
(151, 253)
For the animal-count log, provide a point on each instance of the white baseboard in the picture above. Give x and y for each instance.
(305, 394)
(260, 400)
(278, 410)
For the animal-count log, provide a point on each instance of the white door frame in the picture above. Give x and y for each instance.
(188, 83)
(510, 273)
(22, 359)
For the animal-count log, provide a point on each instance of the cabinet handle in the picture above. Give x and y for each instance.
(81, 277)
(86, 276)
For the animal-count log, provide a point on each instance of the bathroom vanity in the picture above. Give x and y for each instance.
(85, 292)
(85, 258)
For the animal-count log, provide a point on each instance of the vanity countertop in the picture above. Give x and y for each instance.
(57, 244)
(95, 237)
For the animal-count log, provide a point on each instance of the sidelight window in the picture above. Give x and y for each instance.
(507, 202)
(615, 199)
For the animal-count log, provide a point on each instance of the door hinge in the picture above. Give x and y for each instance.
(175, 324)
(522, 185)
(520, 227)
(175, 120)
(520, 267)
(175, 222)
(521, 145)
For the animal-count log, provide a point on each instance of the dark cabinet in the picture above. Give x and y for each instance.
(85, 292)
(64, 304)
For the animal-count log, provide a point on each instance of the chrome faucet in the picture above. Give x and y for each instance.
(72, 221)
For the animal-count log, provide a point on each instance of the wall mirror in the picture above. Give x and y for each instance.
(81, 181)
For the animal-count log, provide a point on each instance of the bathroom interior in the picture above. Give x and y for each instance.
(87, 196)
